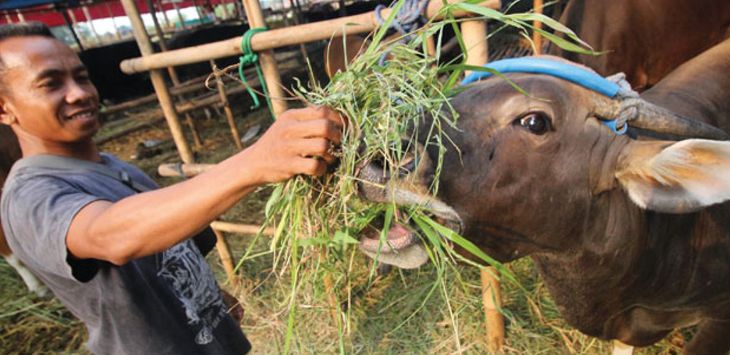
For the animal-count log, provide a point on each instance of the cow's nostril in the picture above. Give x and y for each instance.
(407, 166)
(379, 162)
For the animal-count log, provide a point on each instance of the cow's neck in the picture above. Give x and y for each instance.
(627, 257)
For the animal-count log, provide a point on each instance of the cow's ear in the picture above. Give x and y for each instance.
(676, 177)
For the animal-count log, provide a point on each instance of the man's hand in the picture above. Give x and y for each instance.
(299, 142)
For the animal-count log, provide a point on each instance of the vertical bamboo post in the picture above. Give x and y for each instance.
(536, 37)
(492, 302)
(179, 15)
(21, 17)
(74, 23)
(475, 40)
(224, 9)
(430, 46)
(268, 62)
(200, 14)
(158, 81)
(90, 20)
(69, 24)
(173, 74)
(164, 13)
(225, 254)
(114, 21)
(226, 105)
(620, 348)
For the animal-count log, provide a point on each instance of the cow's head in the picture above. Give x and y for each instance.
(531, 170)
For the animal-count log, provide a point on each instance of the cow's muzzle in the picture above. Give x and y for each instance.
(407, 184)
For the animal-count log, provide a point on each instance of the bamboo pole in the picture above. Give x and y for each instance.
(536, 37)
(69, 24)
(72, 16)
(179, 15)
(158, 81)
(492, 301)
(192, 85)
(224, 251)
(182, 170)
(159, 5)
(475, 40)
(114, 21)
(240, 228)
(226, 106)
(156, 118)
(273, 39)
(197, 141)
(90, 20)
(266, 57)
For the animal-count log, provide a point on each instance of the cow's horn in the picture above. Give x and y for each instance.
(645, 115)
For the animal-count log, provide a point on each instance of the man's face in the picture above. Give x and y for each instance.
(47, 92)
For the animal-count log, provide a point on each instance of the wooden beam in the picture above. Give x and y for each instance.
(224, 252)
(492, 302)
(536, 37)
(240, 228)
(475, 41)
(226, 106)
(158, 82)
(282, 37)
(266, 58)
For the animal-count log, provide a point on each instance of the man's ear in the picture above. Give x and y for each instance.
(6, 117)
(676, 177)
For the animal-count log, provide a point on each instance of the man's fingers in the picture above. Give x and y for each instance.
(314, 113)
(311, 166)
(316, 147)
(319, 129)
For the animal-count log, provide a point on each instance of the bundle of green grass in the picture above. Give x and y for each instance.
(318, 221)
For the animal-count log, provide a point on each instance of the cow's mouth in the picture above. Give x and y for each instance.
(400, 245)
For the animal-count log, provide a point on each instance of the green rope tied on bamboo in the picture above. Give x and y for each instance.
(250, 57)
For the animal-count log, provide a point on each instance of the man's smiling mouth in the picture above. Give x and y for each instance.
(82, 116)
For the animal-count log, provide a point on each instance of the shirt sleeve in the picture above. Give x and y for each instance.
(39, 212)
(205, 240)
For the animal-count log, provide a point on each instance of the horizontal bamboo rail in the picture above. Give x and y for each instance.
(240, 228)
(182, 170)
(152, 120)
(282, 37)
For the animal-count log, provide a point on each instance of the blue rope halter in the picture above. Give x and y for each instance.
(565, 71)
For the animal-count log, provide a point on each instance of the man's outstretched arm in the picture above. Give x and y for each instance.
(150, 222)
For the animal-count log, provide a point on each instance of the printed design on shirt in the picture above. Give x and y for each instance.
(193, 284)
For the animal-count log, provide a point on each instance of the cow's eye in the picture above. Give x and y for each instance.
(536, 122)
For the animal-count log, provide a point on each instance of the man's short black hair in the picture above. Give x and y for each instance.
(21, 30)
(24, 30)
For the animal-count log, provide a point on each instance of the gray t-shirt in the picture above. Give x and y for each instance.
(167, 303)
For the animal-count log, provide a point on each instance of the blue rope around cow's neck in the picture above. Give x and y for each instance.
(250, 57)
(409, 18)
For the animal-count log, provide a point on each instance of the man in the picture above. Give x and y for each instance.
(123, 261)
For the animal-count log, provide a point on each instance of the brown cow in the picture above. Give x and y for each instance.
(631, 236)
(646, 39)
(9, 153)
